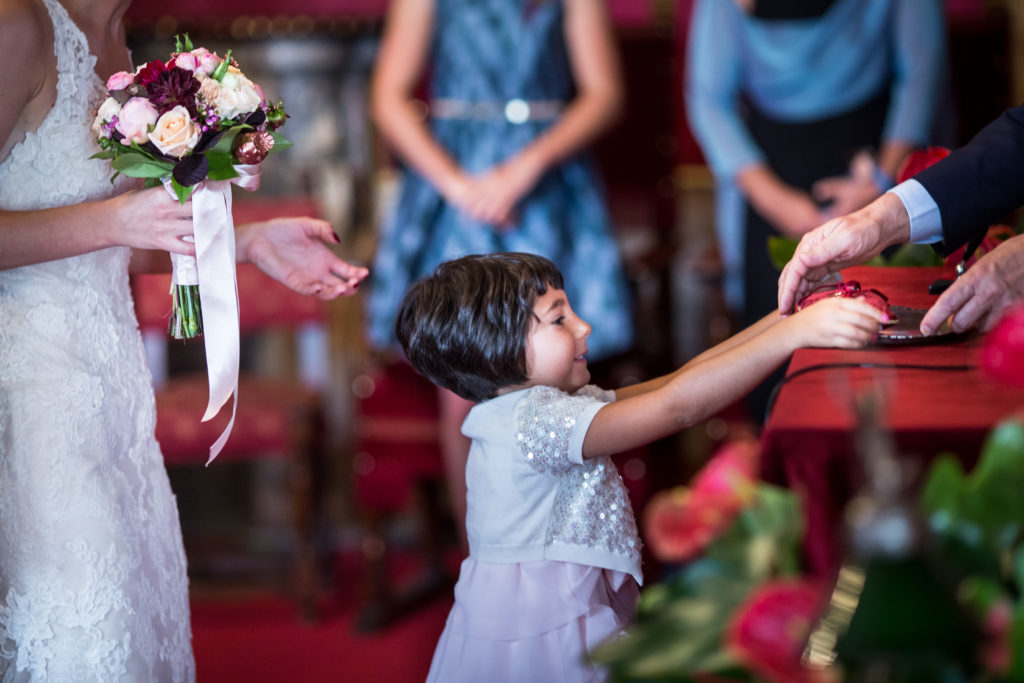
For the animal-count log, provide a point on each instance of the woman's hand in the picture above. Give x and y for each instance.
(294, 251)
(839, 322)
(491, 196)
(850, 192)
(149, 219)
(791, 211)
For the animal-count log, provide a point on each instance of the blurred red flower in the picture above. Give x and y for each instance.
(1002, 357)
(918, 160)
(680, 522)
(769, 630)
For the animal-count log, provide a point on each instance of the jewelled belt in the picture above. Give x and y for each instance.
(514, 111)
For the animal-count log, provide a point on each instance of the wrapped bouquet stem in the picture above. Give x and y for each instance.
(197, 125)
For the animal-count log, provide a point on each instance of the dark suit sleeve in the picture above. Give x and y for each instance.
(979, 183)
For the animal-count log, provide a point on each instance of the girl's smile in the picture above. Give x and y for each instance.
(556, 346)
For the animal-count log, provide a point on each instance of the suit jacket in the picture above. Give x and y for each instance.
(981, 182)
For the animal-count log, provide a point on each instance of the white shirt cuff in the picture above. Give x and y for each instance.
(925, 218)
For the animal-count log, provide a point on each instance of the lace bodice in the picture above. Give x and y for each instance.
(92, 570)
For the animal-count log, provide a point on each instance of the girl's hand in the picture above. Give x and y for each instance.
(836, 323)
(293, 251)
(150, 219)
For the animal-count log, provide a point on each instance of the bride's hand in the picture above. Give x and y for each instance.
(150, 219)
(293, 251)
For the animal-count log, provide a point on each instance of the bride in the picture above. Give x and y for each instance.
(92, 571)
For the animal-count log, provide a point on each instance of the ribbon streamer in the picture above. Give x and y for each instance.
(213, 229)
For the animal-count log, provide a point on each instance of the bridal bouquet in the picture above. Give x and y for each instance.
(192, 119)
(195, 124)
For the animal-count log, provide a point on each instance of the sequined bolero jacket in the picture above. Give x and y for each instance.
(531, 495)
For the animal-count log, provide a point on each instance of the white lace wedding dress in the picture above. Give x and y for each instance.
(92, 570)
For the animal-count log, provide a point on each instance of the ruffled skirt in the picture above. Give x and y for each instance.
(531, 622)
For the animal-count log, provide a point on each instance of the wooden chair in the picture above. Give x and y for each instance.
(279, 417)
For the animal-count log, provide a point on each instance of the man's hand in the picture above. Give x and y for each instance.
(842, 242)
(981, 296)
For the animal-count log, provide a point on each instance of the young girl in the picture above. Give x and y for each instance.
(516, 91)
(554, 561)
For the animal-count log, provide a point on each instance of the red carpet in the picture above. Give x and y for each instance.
(261, 639)
(255, 636)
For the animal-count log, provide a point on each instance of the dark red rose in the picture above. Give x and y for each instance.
(150, 72)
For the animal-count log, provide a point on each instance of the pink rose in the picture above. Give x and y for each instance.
(206, 61)
(119, 81)
(175, 133)
(136, 116)
(186, 61)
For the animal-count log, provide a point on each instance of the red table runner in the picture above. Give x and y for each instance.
(807, 443)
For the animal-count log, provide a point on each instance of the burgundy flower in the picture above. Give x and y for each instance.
(768, 632)
(173, 87)
(149, 73)
(1002, 357)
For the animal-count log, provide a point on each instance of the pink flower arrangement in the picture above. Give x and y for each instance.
(192, 118)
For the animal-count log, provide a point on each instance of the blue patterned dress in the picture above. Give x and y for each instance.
(486, 53)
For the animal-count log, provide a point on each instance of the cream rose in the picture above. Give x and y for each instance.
(237, 96)
(175, 133)
(107, 111)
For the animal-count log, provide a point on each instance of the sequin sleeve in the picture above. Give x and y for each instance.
(551, 425)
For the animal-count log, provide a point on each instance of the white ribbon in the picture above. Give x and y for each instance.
(213, 268)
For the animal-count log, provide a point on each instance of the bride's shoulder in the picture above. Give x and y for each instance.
(27, 79)
(25, 30)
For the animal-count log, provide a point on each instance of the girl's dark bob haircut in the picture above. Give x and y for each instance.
(465, 326)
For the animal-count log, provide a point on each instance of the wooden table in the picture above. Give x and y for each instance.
(937, 400)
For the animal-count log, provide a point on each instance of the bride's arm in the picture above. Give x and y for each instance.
(294, 251)
(28, 81)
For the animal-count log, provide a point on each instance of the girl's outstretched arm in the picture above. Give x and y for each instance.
(700, 389)
(723, 346)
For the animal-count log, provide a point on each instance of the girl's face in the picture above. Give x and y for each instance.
(556, 345)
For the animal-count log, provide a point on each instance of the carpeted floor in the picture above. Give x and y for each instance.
(252, 634)
(259, 639)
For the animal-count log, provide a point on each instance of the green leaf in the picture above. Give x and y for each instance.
(227, 139)
(140, 166)
(182, 192)
(104, 154)
(221, 166)
(780, 250)
(914, 255)
(280, 142)
(944, 487)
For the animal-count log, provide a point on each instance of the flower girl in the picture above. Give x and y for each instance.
(554, 561)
